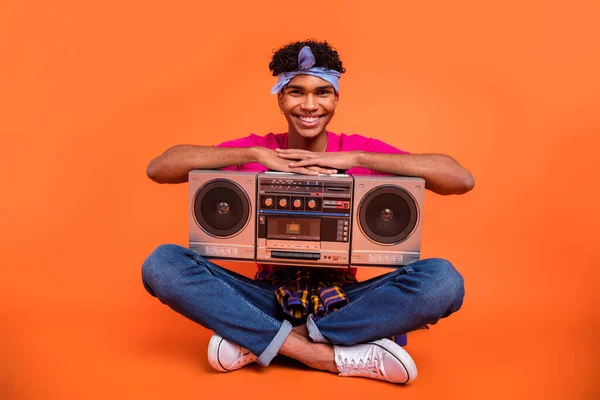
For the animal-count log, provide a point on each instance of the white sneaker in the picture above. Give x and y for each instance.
(225, 356)
(381, 359)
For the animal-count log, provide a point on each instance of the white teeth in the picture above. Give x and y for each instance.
(309, 119)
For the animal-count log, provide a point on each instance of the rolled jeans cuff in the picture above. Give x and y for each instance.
(272, 349)
(313, 331)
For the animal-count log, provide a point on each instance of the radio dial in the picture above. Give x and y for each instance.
(297, 203)
(268, 202)
(282, 202)
(312, 203)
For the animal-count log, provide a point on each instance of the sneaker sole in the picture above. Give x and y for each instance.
(213, 353)
(401, 355)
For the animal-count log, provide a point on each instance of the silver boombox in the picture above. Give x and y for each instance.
(325, 220)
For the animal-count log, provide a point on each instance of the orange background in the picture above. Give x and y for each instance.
(90, 92)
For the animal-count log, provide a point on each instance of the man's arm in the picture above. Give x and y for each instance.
(174, 164)
(442, 173)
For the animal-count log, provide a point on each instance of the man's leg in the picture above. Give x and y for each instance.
(300, 347)
(401, 301)
(385, 306)
(235, 307)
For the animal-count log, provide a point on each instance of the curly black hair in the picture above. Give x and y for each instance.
(286, 58)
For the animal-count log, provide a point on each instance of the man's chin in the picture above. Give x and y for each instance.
(310, 133)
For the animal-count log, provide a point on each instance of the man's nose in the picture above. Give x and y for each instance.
(310, 103)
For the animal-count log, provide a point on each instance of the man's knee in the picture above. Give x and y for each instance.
(446, 285)
(163, 267)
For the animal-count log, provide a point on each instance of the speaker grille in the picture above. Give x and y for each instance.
(221, 208)
(387, 214)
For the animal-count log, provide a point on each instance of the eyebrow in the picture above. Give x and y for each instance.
(303, 88)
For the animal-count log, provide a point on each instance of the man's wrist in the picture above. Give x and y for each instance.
(255, 153)
(359, 158)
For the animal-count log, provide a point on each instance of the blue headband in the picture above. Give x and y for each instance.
(306, 60)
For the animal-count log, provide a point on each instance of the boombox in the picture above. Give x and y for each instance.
(325, 220)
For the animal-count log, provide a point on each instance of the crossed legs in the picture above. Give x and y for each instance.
(246, 312)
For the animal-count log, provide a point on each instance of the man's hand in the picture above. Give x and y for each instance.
(271, 159)
(307, 159)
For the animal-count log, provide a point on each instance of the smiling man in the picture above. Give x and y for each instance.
(251, 319)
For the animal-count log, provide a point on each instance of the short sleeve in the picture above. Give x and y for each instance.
(370, 145)
(378, 146)
(247, 141)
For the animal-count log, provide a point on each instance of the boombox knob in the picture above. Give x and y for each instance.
(311, 203)
(282, 202)
(268, 202)
(297, 203)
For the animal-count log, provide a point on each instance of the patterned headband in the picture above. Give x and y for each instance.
(306, 60)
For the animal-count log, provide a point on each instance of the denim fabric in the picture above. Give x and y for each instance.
(392, 304)
(246, 312)
(239, 309)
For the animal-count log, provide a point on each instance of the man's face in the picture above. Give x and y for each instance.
(308, 104)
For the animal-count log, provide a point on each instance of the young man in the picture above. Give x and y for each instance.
(247, 317)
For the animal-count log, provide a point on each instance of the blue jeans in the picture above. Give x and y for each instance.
(245, 311)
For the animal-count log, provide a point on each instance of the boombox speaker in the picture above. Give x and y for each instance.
(387, 223)
(222, 214)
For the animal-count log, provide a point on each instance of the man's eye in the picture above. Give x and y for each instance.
(324, 93)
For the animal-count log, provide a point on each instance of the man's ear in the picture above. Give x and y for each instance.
(280, 99)
(337, 99)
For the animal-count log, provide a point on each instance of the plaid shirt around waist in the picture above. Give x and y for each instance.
(301, 291)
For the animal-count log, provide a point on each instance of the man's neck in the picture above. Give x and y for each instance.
(316, 144)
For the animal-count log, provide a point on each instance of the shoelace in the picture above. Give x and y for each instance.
(353, 368)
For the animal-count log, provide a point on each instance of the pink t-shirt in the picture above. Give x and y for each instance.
(335, 142)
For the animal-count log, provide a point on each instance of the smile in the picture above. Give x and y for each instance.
(308, 120)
